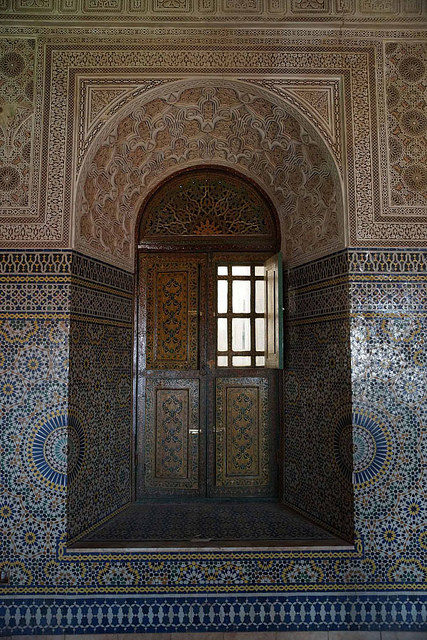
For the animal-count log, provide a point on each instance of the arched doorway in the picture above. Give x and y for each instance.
(207, 400)
(239, 126)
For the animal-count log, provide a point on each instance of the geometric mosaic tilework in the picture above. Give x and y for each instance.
(372, 448)
(55, 450)
(379, 584)
(317, 393)
(220, 521)
(301, 612)
(100, 389)
(360, 281)
(317, 398)
(99, 291)
(57, 283)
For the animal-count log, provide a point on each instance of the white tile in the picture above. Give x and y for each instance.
(92, 636)
(214, 635)
(145, 636)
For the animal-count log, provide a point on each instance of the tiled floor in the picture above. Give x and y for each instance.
(201, 523)
(280, 635)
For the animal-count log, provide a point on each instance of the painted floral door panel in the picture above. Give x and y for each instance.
(171, 446)
(244, 437)
(171, 390)
(172, 305)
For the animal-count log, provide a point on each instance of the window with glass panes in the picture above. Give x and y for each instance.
(240, 315)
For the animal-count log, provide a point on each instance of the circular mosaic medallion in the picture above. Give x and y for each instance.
(411, 68)
(414, 122)
(9, 178)
(362, 447)
(12, 64)
(415, 177)
(56, 447)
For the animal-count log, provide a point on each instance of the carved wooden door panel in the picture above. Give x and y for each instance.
(171, 428)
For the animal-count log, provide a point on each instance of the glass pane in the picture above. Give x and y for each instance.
(259, 361)
(240, 271)
(259, 296)
(241, 336)
(259, 334)
(222, 296)
(222, 334)
(222, 361)
(223, 271)
(259, 271)
(241, 296)
(241, 361)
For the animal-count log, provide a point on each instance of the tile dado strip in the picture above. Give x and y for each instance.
(358, 281)
(251, 613)
(57, 284)
(359, 261)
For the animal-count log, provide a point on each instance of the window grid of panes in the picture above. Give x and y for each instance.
(240, 315)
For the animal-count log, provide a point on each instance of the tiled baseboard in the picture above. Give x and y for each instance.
(266, 635)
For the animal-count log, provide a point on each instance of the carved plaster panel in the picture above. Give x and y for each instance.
(17, 62)
(237, 11)
(208, 122)
(319, 99)
(406, 91)
(73, 116)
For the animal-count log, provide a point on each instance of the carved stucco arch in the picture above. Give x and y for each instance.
(208, 121)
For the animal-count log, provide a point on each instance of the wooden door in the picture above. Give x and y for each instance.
(207, 406)
(171, 447)
(242, 393)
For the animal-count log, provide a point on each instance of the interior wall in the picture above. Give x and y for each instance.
(387, 296)
(318, 394)
(48, 588)
(100, 391)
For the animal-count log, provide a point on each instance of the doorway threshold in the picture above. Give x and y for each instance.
(231, 525)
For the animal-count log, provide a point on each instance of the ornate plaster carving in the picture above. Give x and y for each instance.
(71, 107)
(16, 120)
(406, 73)
(235, 11)
(193, 122)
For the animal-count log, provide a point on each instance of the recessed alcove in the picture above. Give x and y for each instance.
(222, 456)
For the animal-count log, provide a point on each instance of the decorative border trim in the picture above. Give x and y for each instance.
(247, 612)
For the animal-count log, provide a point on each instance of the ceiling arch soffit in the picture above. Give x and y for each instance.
(226, 123)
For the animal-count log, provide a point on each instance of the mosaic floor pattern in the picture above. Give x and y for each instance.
(206, 523)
